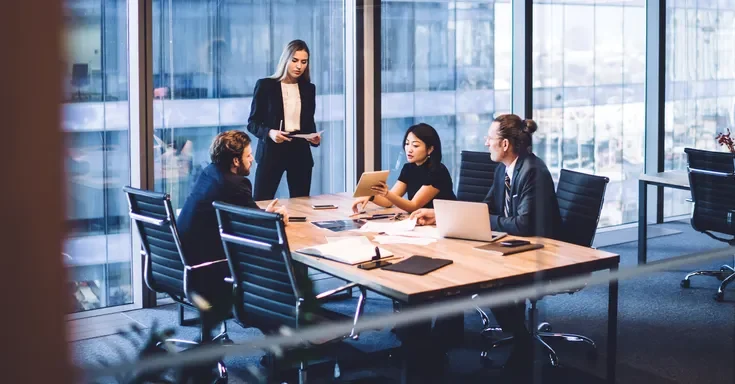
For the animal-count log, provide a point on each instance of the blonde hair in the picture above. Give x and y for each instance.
(288, 52)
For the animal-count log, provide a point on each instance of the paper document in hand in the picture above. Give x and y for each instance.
(352, 250)
(306, 135)
(389, 227)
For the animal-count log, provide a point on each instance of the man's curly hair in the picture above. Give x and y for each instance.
(227, 146)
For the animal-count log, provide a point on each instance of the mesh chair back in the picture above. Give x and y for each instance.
(476, 172)
(580, 198)
(164, 262)
(712, 184)
(266, 292)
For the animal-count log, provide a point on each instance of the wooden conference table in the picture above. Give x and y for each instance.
(472, 271)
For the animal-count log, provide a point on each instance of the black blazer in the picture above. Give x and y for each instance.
(532, 199)
(266, 113)
(197, 222)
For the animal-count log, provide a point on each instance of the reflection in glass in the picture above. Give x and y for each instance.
(588, 71)
(700, 84)
(207, 56)
(97, 251)
(447, 64)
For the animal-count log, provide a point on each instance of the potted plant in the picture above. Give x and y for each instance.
(726, 140)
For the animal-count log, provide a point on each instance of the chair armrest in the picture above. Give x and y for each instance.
(331, 292)
(207, 264)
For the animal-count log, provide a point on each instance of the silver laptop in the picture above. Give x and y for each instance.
(464, 220)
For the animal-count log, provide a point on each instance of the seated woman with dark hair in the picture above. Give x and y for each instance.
(424, 177)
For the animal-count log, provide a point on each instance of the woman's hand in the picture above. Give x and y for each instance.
(360, 202)
(278, 137)
(381, 189)
(315, 140)
(424, 216)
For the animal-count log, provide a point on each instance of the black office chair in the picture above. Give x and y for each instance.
(270, 291)
(476, 172)
(580, 197)
(712, 183)
(166, 268)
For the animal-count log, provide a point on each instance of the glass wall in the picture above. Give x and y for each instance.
(445, 63)
(207, 56)
(97, 250)
(700, 83)
(588, 88)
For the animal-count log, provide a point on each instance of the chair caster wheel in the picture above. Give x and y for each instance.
(685, 283)
(719, 296)
(544, 327)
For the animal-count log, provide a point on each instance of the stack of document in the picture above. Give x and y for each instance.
(349, 250)
(388, 227)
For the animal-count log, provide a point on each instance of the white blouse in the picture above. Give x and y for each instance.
(291, 107)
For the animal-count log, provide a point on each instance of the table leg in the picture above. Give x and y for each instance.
(642, 221)
(612, 328)
(659, 204)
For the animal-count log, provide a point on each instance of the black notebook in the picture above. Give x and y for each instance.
(418, 265)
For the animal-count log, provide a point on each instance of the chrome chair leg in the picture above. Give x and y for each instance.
(549, 351)
(360, 306)
(568, 337)
(302, 373)
(222, 372)
(720, 295)
(502, 342)
(223, 337)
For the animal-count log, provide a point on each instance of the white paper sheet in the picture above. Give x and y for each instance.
(389, 227)
(352, 250)
(382, 239)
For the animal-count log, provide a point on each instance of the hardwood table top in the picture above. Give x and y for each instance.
(472, 270)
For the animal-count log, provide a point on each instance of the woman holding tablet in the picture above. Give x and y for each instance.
(424, 177)
(284, 103)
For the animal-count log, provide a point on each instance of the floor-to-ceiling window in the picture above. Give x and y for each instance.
(588, 87)
(207, 56)
(700, 83)
(97, 249)
(445, 63)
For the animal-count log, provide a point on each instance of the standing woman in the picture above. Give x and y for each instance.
(284, 103)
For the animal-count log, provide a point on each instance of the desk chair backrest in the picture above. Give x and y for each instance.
(712, 184)
(580, 198)
(164, 262)
(267, 295)
(476, 173)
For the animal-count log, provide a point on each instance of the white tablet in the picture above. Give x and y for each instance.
(367, 180)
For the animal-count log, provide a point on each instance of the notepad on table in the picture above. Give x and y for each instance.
(352, 250)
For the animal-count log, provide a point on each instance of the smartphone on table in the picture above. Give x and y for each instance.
(324, 206)
(514, 243)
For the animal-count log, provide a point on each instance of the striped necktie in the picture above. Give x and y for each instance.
(507, 196)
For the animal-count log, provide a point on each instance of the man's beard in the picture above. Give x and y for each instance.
(242, 171)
